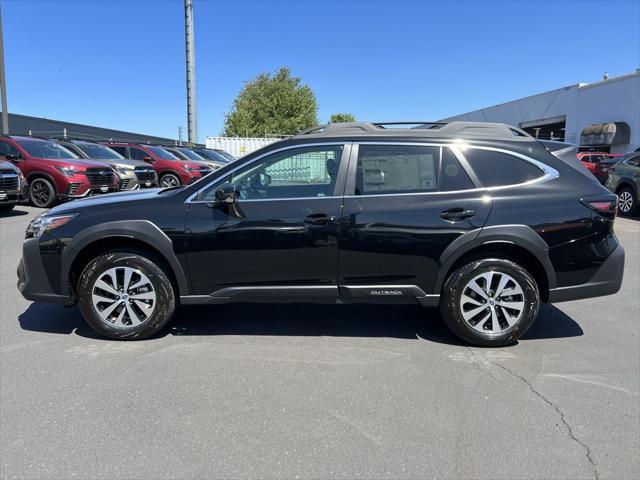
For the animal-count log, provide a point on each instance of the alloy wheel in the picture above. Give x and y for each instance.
(169, 181)
(40, 193)
(123, 297)
(625, 201)
(492, 302)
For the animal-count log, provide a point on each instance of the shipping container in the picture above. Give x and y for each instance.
(238, 146)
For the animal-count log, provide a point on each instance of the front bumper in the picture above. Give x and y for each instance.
(13, 197)
(32, 278)
(606, 281)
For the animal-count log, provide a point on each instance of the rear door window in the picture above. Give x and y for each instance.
(138, 154)
(452, 176)
(390, 169)
(497, 169)
(121, 150)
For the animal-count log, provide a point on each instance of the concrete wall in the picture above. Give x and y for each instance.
(613, 100)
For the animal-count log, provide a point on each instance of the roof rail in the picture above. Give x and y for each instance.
(449, 129)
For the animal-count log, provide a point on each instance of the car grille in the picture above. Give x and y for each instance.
(148, 175)
(100, 176)
(8, 180)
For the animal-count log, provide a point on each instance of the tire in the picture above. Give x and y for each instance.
(459, 301)
(42, 193)
(627, 202)
(6, 208)
(169, 180)
(120, 317)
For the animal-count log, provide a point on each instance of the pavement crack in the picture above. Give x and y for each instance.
(560, 414)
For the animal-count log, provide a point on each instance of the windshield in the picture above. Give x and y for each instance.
(99, 152)
(189, 154)
(213, 155)
(162, 153)
(43, 149)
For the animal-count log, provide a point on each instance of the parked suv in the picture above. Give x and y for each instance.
(132, 174)
(53, 172)
(624, 179)
(13, 186)
(479, 219)
(599, 163)
(215, 154)
(171, 170)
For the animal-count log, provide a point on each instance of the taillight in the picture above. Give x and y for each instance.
(603, 205)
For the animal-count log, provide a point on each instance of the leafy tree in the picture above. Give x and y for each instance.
(272, 104)
(342, 118)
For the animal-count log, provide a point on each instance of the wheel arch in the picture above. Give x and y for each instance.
(126, 233)
(626, 182)
(42, 174)
(172, 172)
(518, 243)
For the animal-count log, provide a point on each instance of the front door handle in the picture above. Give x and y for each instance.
(457, 214)
(317, 219)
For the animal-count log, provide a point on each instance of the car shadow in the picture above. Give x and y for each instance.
(14, 213)
(392, 321)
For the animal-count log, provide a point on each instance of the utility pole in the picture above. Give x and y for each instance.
(3, 83)
(192, 116)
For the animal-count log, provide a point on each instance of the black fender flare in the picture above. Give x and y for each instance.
(42, 173)
(520, 235)
(142, 230)
(172, 172)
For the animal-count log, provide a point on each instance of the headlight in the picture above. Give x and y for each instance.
(42, 223)
(122, 170)
(69, 171)
(191, 169)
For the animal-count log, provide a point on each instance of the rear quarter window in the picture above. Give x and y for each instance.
(497, 169)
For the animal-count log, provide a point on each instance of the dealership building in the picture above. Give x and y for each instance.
(598, 116)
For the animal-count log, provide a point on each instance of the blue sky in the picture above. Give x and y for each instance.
(120, 64)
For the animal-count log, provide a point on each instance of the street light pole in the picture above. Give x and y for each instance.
(3, 83)
(192, 120)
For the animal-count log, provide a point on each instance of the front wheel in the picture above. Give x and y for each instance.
(169, 180)
(627, 201)
(490, 302)
(125, 295)
(42, 193)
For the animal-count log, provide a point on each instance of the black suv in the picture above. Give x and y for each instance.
(480, 219)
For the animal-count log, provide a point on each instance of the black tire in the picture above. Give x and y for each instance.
(627, 202)
(455, 285)
(138, 260)
(42, 193)
(6, 208)
(169, 180)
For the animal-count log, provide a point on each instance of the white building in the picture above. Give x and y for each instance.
(602, 116)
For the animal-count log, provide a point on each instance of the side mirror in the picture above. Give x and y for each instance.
(227, 193)
(13, 157)
(149, 159)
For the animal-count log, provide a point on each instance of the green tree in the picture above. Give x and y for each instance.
(342, 118)
(272, 104)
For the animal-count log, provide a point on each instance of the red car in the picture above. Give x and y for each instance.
(53, 172)
(599, 163)
(171, 170)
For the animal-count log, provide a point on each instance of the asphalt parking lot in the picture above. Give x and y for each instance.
(307, 391)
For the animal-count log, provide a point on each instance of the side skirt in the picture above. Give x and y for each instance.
(384, 294)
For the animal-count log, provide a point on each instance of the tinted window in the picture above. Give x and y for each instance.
(98, 151)
(452, 175)
(162, 153)
(634, 161)
(121, 150)
(495, 169)
(8, 149)
(137, 154)
(295, 173)
(45, 149)
(386, 169)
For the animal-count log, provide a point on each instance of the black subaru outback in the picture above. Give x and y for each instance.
(480, 219)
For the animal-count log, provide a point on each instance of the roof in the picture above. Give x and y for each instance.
(22, 137)
(452, 130)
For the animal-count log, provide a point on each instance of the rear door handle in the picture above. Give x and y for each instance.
(317, 219)
(457, 214)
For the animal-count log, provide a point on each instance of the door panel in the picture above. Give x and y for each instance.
(398, 238)
(282, 232)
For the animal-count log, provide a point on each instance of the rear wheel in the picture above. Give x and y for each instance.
(42, 193)
(169, 180)
(126, 295)
(627, 201)
(490, 302)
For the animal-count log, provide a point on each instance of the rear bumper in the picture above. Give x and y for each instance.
(606, 281)
(32, 279)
